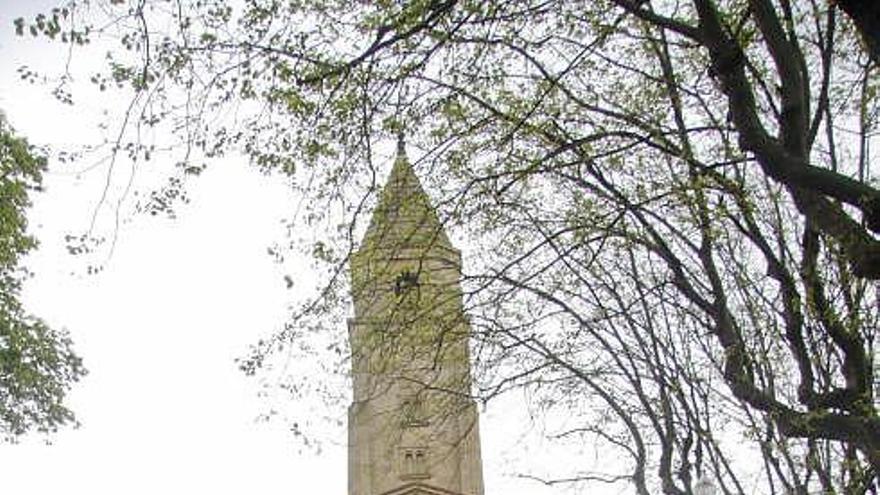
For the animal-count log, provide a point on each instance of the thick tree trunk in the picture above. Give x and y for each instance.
(866, 16)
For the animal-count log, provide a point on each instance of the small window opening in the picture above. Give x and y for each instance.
(405, 281)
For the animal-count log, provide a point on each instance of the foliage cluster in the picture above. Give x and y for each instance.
(37, 363)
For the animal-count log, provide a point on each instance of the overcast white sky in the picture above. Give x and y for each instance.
(164, 409)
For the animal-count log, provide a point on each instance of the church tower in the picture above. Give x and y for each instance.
(412, 425)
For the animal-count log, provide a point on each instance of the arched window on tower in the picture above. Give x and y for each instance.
(414, 463)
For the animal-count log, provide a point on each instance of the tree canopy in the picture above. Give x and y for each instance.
(668, 209)
(37, 363)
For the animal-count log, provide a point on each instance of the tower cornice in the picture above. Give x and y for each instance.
(420, 489)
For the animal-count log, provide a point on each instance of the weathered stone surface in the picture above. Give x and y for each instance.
(413, 428)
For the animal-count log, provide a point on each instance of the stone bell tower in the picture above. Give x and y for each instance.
(412, 425)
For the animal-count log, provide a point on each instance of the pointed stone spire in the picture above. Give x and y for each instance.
(404, 216)
(412, 428)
